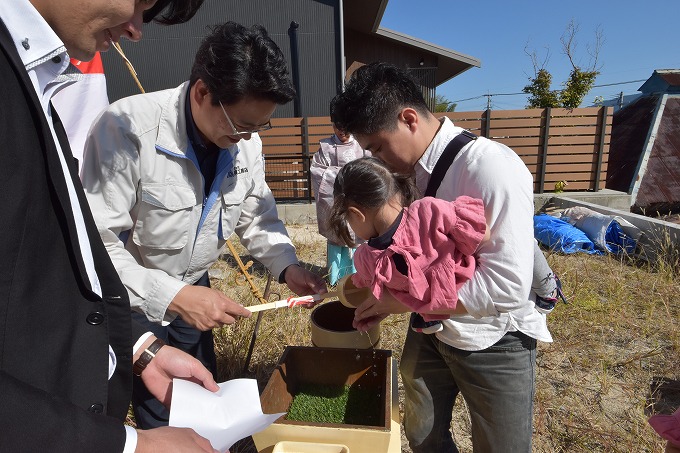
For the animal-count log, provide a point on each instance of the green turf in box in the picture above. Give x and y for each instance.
(335, 404)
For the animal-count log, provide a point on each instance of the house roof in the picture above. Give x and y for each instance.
(662, 80)
(366, 15)
(670, 76)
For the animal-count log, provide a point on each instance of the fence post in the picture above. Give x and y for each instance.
(602, 119)
(544, 150)
(306, 160)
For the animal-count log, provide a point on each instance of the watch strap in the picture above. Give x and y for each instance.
(147, 356)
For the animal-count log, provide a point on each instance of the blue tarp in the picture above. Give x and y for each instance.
(617, 241)
(561, 236)
(609, 233)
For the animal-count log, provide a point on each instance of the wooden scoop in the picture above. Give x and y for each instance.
(292, 302)
(348, 294)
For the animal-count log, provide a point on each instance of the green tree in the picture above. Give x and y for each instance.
(442, 104)
(541, 95)
(577, 85)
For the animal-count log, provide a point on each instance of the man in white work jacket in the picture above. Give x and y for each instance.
(170, 175)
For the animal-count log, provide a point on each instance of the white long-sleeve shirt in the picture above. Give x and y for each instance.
(498, 297)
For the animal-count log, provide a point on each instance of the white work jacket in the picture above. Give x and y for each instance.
(146, 192)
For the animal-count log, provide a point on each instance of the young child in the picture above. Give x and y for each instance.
(421, 251)
(334, 153)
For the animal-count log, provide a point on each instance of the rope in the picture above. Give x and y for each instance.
(128, 64)
(244, 270)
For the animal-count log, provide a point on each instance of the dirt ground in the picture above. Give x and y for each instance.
(613, 362)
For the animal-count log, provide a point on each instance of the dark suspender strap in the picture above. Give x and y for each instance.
(446, 159)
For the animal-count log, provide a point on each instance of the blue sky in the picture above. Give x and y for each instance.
(639, 36)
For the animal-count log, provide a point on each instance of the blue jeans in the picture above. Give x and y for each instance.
(497, 384)
(149, 412)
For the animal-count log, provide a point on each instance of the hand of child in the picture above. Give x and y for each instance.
(372, 311)
(366, 324)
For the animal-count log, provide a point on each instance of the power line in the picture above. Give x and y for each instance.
(618, 83)
(523, 93)
(486, 95)
(470, 99)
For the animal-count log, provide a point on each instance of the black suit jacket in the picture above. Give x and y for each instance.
(54, 331)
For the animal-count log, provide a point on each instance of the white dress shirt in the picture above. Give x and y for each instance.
(498, 297)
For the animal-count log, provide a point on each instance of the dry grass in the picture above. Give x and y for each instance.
(614, 360)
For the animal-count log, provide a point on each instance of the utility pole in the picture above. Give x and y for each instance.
(621, 100)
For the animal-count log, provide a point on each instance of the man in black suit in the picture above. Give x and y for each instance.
(66, 338)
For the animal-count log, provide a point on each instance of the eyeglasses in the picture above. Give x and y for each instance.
(264, 127)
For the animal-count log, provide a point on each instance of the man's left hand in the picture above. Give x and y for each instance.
(172, 363)
(303, 282)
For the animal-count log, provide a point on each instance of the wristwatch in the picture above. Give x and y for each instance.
(147, 356)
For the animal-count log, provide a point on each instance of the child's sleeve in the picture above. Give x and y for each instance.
(667, 426)
(468, 224)
(365, 267)
(443, 282)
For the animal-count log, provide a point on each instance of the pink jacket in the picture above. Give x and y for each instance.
(437, 239)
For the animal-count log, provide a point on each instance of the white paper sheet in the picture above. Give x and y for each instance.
(223, 417)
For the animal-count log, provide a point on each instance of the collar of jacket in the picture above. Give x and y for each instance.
(172, 127)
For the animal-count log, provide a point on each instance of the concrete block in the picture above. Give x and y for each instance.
(297, 213)
(606, 197)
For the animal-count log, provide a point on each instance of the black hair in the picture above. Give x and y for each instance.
(174, 11)
(373, 98)
(234, 62)
(368, 183)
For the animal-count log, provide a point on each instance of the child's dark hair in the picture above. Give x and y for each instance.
(366, 182)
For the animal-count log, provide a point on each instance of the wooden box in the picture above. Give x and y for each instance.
(372, 369)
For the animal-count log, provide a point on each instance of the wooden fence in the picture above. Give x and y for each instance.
(555, 144)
